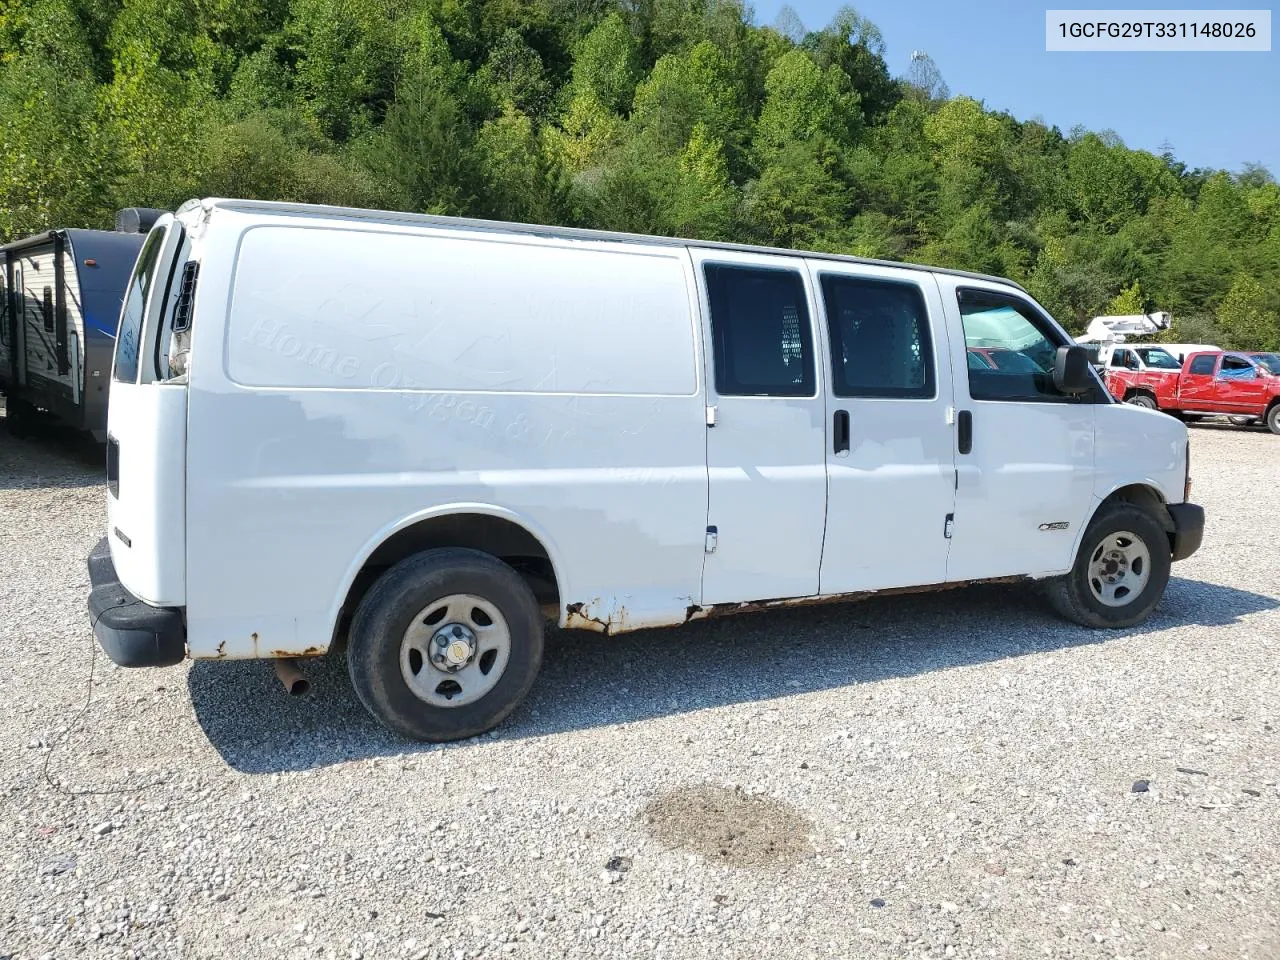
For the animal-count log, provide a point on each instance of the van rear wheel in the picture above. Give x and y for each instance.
(1120, 573)
(445, 644)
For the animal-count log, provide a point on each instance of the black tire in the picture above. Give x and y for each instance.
(1144, 400)
(1072, 596)
(1273, 418)
(385, 613)
(1242, 421)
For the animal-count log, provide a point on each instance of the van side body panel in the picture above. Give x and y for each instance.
(349, 378)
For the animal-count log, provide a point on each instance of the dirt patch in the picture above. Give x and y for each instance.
(730, 827)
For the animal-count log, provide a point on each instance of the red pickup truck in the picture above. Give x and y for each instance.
(1243, 386)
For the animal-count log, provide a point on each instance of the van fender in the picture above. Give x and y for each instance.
(388, 531)
(1099, 499)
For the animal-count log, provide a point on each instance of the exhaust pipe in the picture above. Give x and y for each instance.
(287, 673)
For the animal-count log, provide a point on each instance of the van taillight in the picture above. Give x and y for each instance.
(113, 467)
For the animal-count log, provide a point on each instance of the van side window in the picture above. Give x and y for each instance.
(760, 332)
(880, 343)
(135, 300)
(1202, 365)
(1010, 333)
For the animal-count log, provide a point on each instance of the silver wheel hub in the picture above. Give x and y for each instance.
(1119, 569)
(455, 650)
(454, 645)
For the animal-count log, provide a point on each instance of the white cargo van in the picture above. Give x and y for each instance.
(423, 435)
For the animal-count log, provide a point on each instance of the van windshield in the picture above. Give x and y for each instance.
(129, 336)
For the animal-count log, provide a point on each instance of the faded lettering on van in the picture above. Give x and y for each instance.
(273, 335)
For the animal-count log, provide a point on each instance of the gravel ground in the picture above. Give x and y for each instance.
(957, 775)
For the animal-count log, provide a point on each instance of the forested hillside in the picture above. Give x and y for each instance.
(659, 116)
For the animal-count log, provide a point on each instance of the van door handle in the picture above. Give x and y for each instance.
(964, 424)
(840, 429)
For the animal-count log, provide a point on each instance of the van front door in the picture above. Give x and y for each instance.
(890, 450)
(766, 429)
(1024, 454)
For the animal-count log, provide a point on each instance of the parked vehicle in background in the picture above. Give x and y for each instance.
(1270, 362)
(988, 358)
(60, 298)
(1238, 385)
(1183, 350)
(426, 433)
(1137, 373)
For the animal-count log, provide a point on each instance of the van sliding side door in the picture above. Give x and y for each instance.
(766, 428)
(890, 452)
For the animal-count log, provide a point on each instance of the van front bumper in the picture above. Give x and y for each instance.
(1188, 529)
(132, 633)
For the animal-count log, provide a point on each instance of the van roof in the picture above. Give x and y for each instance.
(572, 233)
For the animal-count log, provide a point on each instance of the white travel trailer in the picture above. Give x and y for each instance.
(422, 434)
(1183, 350)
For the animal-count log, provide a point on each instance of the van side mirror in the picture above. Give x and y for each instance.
(1071, 370)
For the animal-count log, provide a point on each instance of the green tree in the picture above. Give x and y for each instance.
(684, 90)
(1128, 302)
(806, 103)
(524, 175)
(1248, 317)
(424, 155)
(58, 161)
(607, 66)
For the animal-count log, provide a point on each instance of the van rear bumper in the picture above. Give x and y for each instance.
(132, 633)
(1188, 529)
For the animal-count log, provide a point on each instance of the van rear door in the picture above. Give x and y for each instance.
(146, 432)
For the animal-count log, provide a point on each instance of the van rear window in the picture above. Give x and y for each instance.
(129, 336)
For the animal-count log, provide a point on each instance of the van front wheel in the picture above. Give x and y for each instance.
(1120, 573)
(445, 644)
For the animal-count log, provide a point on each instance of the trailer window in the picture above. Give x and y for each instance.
(128, 339)
(46, 310)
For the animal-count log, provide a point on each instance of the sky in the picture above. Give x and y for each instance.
(1218, 110)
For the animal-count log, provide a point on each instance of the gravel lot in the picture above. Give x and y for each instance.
(946, 776)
